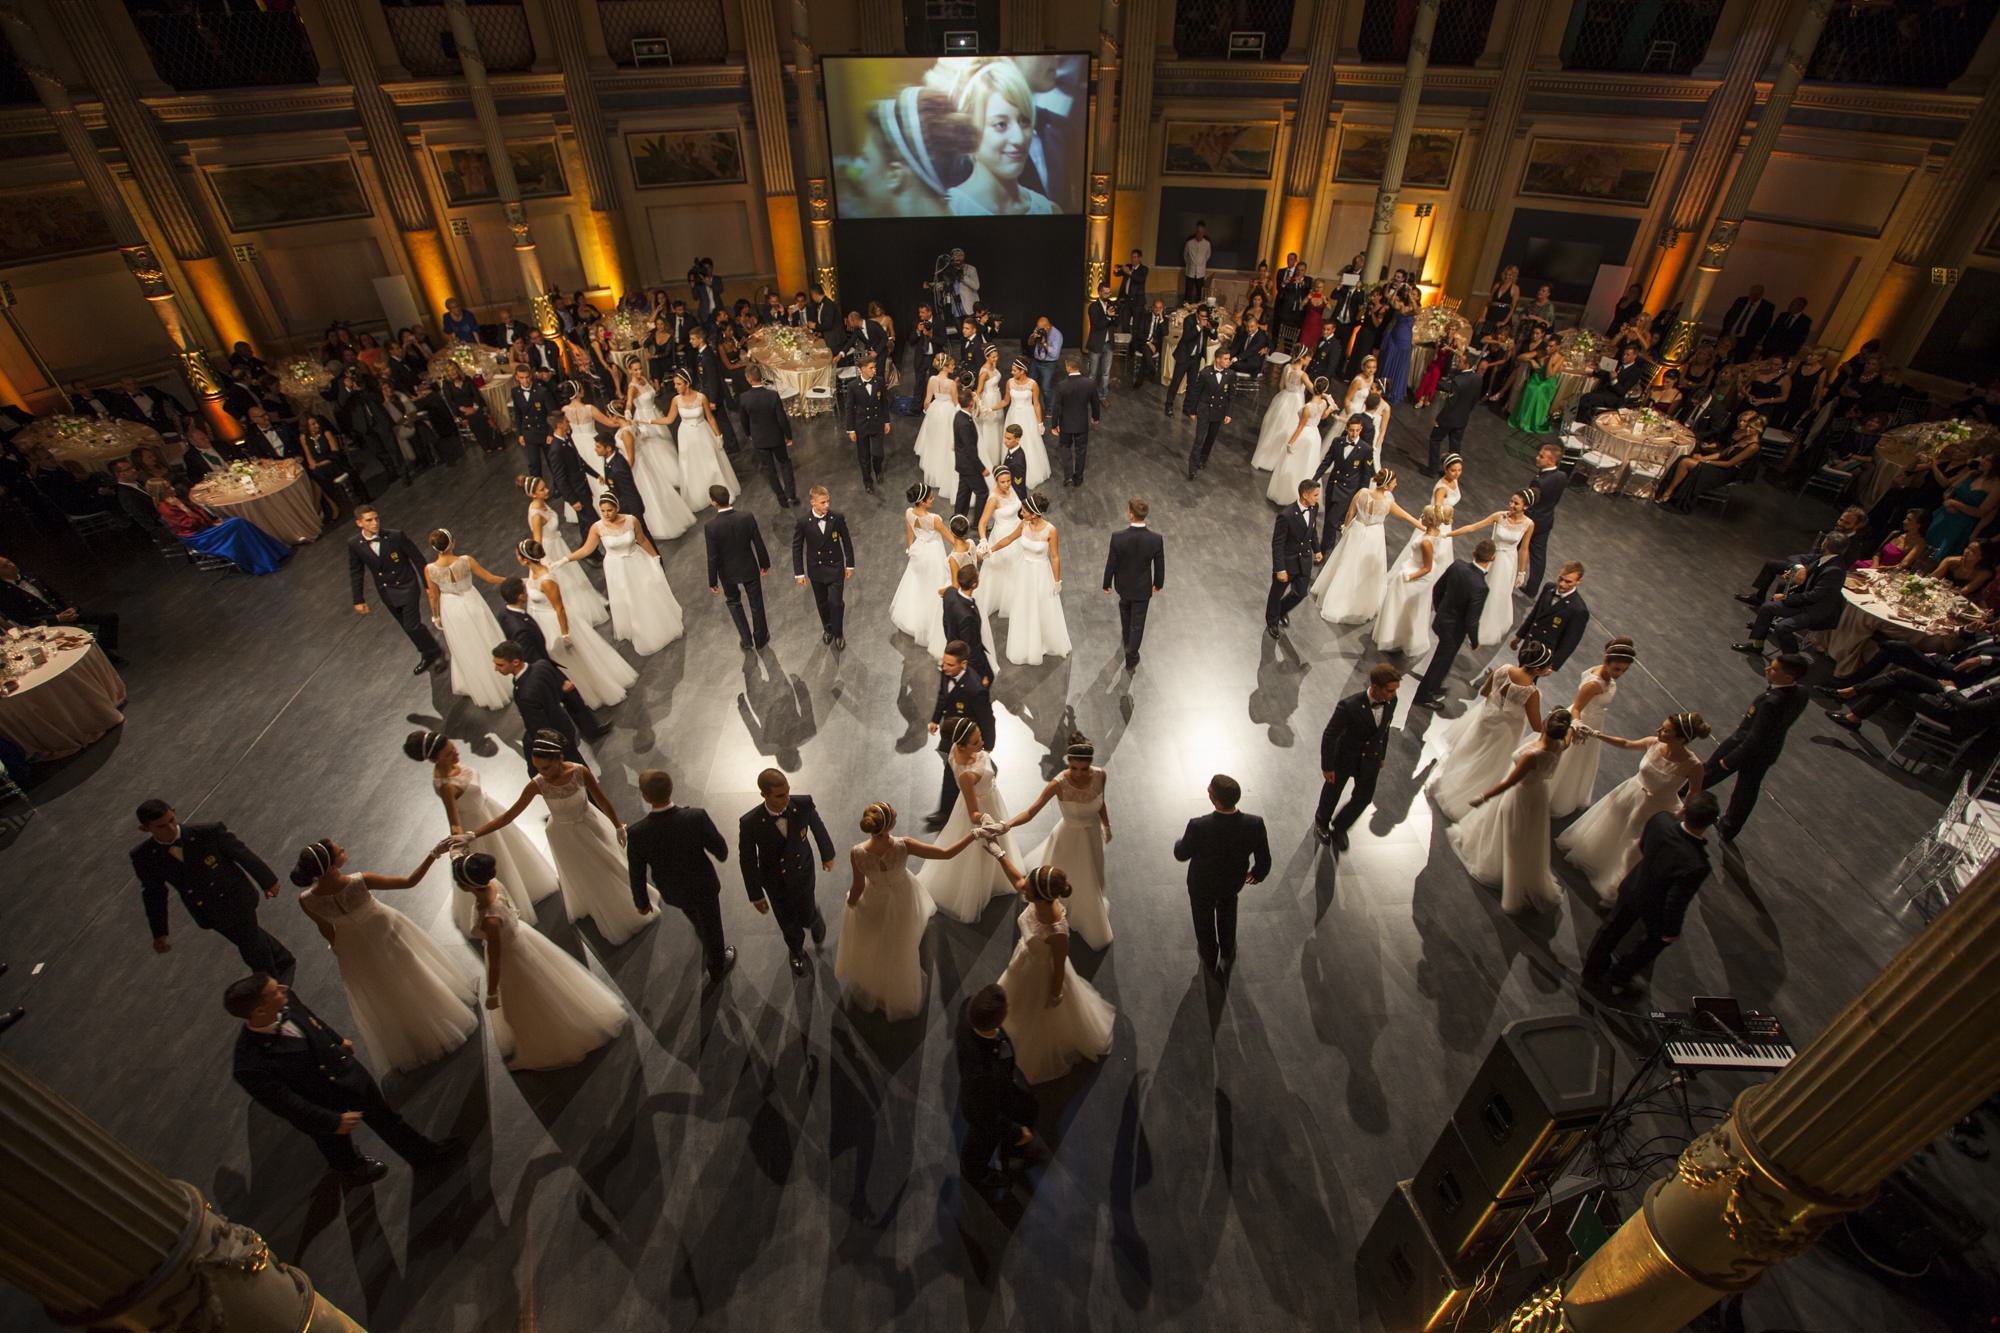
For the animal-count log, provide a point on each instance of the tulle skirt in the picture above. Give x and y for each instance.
(582, 602)
(595, 881)
(1496, 622)
(1576, 775)
(249, 547)
(411, 1000)
(1403, 624)
(703, 464)
(1505, 844)
(935, 453)
(517, 863)
(1482, 746)
(1279, 420)
(877, 957)
(600, 675)
(643, 609)
(1035, 624)
(992, 447)
(470, 631)
(1049, 1042)
(962, 886)
(1604, 841)
(917, 609)
(1294, 467)
(1350, 587)
(999, 570)
(552, 1012)
(1077, 849)
(658, 477)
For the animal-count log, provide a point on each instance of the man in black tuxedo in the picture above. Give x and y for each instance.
(34, 600)
(1558, 617)
(541, 699)
(708, 377)
(673, 844)
(962, 624)
(302, 1071)
(1103, 317)
(777, 862)
(1457, 397)
(1149, 335)
(148, 406)
(369, 424)
(736, 561)
(868, 423)
(1813, 603)
(1189, 354)
(822, 315)
(1788, 332)
(961, 694)
(618, 478)
(507, 330)
(1344, 310)
(823, 559)
(861, 338)
(397, 567)
(568, 476)
(522, 631)
(1655, 894)
(1748, 753)
(1748, 317)
(219, 881)
(1295, 555)
(532, 407)
(967, 463)
(1456, 601)
(1614, 388)
(1078, 407)
(1135, 566)
(1131, 277)
(1224, 851)
(769, 429)
(266, 438)
(1353, 748)
(1294, 285)
(1549, 484)
(134, 503)
(544, 362)
(992, 1095)
(972, 347)
(1851, 522)
(1208, 409)
(1347, 464)
(1249, 347)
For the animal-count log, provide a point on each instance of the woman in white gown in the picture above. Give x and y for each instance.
(667, 514)
(580, 596)
(584, 418)
(1303, 448)
(1281, 418)
(1480, 746)
(548, 1011)
(411, 1000)
(1576, 775)
(600, 675)
(962, 888)
(1359, 387)
(1511, 530)
(586, 840)
(1054, 1016)
(531, 877)
(961, 552)
(877, 958)
(1024, 409)
(916, 609)
(1403, 624)
(1504, 840)
(703, 464)
(1446, 495)
(1035, 624)
(1604, 841)
(1351, 585)
(1077, 842)
(935, 458)
(989, 402)
(997, 522)
(466, 622)
(643, 610)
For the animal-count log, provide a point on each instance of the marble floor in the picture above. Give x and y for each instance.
(758, 1156)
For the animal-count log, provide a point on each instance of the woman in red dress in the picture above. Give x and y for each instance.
(1314, 323)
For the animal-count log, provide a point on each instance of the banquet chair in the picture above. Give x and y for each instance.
(1928, 746)
(1648, 463)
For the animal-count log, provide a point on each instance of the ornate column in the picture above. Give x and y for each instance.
(1021, 27)
(409, 205)
(1915, 1051)
(103, 1240)
(1496, 135)
(881, 24)
(1135, 126)
(610, 238)
(812, 142)
(1103, 150)
(1305, 164)
(774, 143)
(132, 244)
(474, 65)
(1940, 232)
(145, 149)
(1384, 225)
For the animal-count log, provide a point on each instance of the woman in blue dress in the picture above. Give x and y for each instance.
(253, 550)
(1965, 507)
(1396, 337)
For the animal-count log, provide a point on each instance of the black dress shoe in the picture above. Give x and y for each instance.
(422, 666)
(1340, 840)
(827, 637)
(839, 644)
(1272, 630)
(1749, 600)
(367, 1172)
(1841, 718)
(868, 486)
(1433, 703)
(728, 962)
(934, 822)
(1132, 662)
(1284, 622)
(819, 931)
(1325, 835)
(744, 644)
(799, 964)
(11, 1017)
(1190, 474)
(761, 641)
(1749, 646)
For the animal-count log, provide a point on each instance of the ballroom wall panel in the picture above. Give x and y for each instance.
(313, 284)
(85, 316)
(1790, 261)
(718, 229)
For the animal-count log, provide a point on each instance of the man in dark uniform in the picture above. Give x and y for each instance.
(1352, 748)
(218, 879)
(1224, 850)
(996, 1102)
(823, 558)
(532, 407)
(868, 423)
(962, 694)
(398, 569)
(1748, 752)
(1655, 893)
(1558, 617)
(1208, 409)
(1295, 555)
(522, 631)
(777, 862)
(674, 844)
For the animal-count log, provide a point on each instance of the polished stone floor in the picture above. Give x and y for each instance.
(759, 1157)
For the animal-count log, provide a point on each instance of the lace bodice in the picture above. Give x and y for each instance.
(1452, 495)
(569, 801)
(1037, 548)
(618, 541)
(537, 599)
(1592, 712)
(1371, 507)
(884, 864)
(944, 388)
(1006, 513)
(981, 768)
(1022, 392)
(1033, 928)
(458, 782)
(582, 422)
(1507, 532)
(1080, 805)
(921, 525)
(691, 410)
(1658, 772)
(553, 545)
(351, 899)
(453, 576)
(646, 405)
(1541, 762)
(990, 396)
(1505, 694)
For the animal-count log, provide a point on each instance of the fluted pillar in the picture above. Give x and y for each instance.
(195, 365)
(1103, 149)
(1021, 27)
(881, 24)
(774, 143)
(474, 64)
(812, 140)
(1305, 163)
(102, 1240)
(1135, 126)
(610, 238)
(1915, 1051)
(1383, 228)
(1489, 159)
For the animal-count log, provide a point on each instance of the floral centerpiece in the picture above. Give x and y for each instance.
(626, 329)
(302, 377)
(788, 339)
(1431, 322)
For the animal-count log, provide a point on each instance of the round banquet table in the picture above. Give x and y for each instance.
(809, 367)
(494, 393)
(1867, 612)
(66, 703)
(1617, 434)
(282, 503)
(1905, 449)
(91, 442)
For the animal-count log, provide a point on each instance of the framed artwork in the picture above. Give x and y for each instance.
(284, 194)
(685, 157)
(48, 223)
(467, 173)
(1221, 148)
(1605, 173)
(1364, 148)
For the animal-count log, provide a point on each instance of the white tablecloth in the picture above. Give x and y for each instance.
(65, 704)
(286, 503)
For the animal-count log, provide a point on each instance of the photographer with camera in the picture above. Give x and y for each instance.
(1045, 345)
(1097, 341)
(1131, 277)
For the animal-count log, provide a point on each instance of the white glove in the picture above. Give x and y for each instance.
(1058, 587)
(566, 641)
(448, 844)
(621, 835)
(983, 550)
(457, 842)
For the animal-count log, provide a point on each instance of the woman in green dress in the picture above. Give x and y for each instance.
(1531, 413)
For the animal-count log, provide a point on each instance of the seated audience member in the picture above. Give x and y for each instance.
(1850, 523)
(132, 500)
(147, 405)
(238, 540)
(1974, 657)
(28, 599)
(242, 357)
(1710, 468)
(1811, 605)
(1969, 572)
(1967, 707)
(459, 322)
(1904, 548)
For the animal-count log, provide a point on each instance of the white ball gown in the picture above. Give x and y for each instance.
(1049, 1042)
(1505, 842)
(981, 601)
(1021, 412)
(1279, 419)
(996, 576)
(581, 599)
(600, 675)
(590, 864)
(643, 610)
(1576, 775)
(1035, 624)
(934, 449)
(1298, 463)
(1604, 841)
(962, 886)
(991, 419)
(1403, 624)
(1380, 416)
(552, 1012)
(583, 438)
(1496, 622)
(1453, 497)
(917, 609)
(1482, 744)
(411, 1000)
(1075, 846)
(877, 956)
(657, 475)
(703, 464)
(470, 631)
(516, 860)
(1350, 587)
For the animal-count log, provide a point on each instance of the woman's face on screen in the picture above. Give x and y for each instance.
(1004, 136)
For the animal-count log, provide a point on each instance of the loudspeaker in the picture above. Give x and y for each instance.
(1542, 1089)
(1467, 1219)
(1402, 1271)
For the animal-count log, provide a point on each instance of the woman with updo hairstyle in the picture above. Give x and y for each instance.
(466, 623)
(1078, 840)
(915, 150)
(989, 403)
(1035, 624)
(600, 675)
(1480, 745)
(1025, 410)
(1403, 624)
(411, 1000)
(915, 608)
(933, 446)
(548, 1011)
(1604, 841)
(994, 96)
(1350, 585)
(582, 599)
(644, 611)
(1504, 842)
(526, 872)
(1302, 448)
(1576, 775)
(880, 933)
(1281, 416)
(1054, 1017)
(1512, 531)
(961, 888)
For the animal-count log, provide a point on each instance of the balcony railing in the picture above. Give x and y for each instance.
(694, 30)
(1640, 36)
(1203, 28)
(229, 45)
(428, 50)
(1460, 38)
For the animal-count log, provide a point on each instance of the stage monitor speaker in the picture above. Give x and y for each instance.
(1402, 1272)
(1542, 1089)
(1469, 1221)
